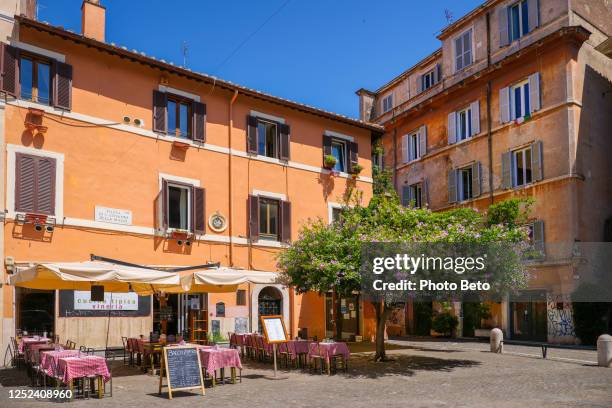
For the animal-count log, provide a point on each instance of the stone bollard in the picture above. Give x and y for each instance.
(604, 350)
(497, 336)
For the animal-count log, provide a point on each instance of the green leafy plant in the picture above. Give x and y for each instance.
(444, 323)
(357, 168)
(215, 338)
(329, 161)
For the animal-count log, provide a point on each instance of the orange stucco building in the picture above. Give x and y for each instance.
(110, 152)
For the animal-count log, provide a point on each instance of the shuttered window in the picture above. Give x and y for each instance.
(520, 100)
(179, 116)
(268, 138)
(241, 297)
(182, 207)
(464, 183)
(269, 219)
(463, 50)
(35, 78)
(522, 166)
(34, 184)
(412, 195)
(387, 103)
(345, 153)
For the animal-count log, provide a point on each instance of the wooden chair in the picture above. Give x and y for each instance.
(249, 346)
(286, 352)
(124, 341)
(17, 357)
(317, 357)
(70, 345)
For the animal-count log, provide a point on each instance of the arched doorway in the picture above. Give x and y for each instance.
(269, 302)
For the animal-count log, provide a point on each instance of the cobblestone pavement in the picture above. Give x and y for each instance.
(425, 374)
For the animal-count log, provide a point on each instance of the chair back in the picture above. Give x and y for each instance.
(171, 338)
(233, 340)
(124, 341)
(82, 349)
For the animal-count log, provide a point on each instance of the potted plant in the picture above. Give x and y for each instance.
(356, 169)
(329, 161)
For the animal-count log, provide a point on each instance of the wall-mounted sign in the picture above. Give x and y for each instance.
(112, 301)
(217, 222)
(113, 215)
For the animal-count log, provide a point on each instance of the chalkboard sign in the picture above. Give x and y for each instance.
(182, 369)
(67, 307)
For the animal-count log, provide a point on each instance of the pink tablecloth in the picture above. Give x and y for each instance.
(213, 359)
(77, 367)
(26, 341)
(328, 349)
(33, 351)
(296, 346)
(49, 359)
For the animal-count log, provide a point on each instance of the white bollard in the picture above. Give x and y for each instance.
(497, 336)
(604, 350)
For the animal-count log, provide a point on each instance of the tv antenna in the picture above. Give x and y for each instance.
(184, 49)
(449, 16)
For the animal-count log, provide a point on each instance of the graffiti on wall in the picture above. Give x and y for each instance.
(559, 312)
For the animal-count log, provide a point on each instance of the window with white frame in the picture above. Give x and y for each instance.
(463, 50)
(464, 183)
(413, 146)
(387, 103)
(267, 136)
(179, 206)
(521, 166)
(519, 100)
(428, 80)
(518, 20)
(464, 124)
(338, 150)
(412, 195)
(269, 219)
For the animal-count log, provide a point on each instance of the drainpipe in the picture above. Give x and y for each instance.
(489, 121)
(395, 181)
(229, 182)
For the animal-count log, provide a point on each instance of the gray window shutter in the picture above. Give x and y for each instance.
(507, 170)
(10, 70)
(327, 147)
(425, 194)
(406, 195)
(475, 117)
(285, 224)
(353, 156)
(422, 141)
(503, 26)
(476, 180)
(504, 105)
(404, 151)
(199, 122)
(284, 139)
(534, 92)
(253, 204)
(199, 210)
(538, 236)
(533, 11)
(160, 109)
(452, 127)
(164, 206)
(536, 161)
(452, 186)
(438, 73)
(419, 84)
(62, 85)
(252, 134)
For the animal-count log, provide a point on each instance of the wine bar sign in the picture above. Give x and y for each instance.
(112, 301)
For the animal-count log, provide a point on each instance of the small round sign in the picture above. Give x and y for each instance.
(217, 222)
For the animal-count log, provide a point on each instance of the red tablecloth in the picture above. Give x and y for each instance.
(295, 346)
(77, 367)
(213, 359)
(49, 359)
(24, 342)
(33, 351)
(328, 349)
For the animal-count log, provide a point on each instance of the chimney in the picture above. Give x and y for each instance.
(93, 19)
(28, 9)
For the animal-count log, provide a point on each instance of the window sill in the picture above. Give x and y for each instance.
(267, 159)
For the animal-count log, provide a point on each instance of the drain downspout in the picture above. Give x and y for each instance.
(230, 186)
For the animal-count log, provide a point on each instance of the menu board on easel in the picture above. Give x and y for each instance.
(182, 369)
(274, 329)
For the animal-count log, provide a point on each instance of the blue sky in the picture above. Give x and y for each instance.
(316, 52)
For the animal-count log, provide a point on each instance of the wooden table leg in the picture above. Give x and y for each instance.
(100, 387)
(71, 388)
(233, 371)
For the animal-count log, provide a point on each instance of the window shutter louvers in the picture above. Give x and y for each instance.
(353, 156)
(199, 122)
(252, 134)
(438, 73)
(538, 236)
(10, 70)
(475, 117)
(422, 141)
(419, 84)
(62, 86)
(199, 210)
(327, 146)
(164, 206)
(425, 193)
(405, 195)
(285, 216)
(45, 186)
(285, 142)
(452, 186)
(404, 150)
(476, 180)
(253, 204)
(504, 105)
(536, 161)
(25, 183)
(533, 14)
(35, 184)
(503, 26)
(506, 170)
(160, 108)
(534, 92)
(452, 127)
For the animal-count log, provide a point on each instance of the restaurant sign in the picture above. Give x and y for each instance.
(112, 301)
(113, 215)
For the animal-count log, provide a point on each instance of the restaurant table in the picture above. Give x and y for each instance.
(215, 358)
(71, 368)
(328, 350)
(49, 359)
(24, 342)
(34, 349)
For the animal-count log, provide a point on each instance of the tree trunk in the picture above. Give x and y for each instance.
(338, 301)
(382, 313)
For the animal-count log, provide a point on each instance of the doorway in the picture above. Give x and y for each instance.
(528, 314)
(35, 311)
(269, 303)
(349, 308)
